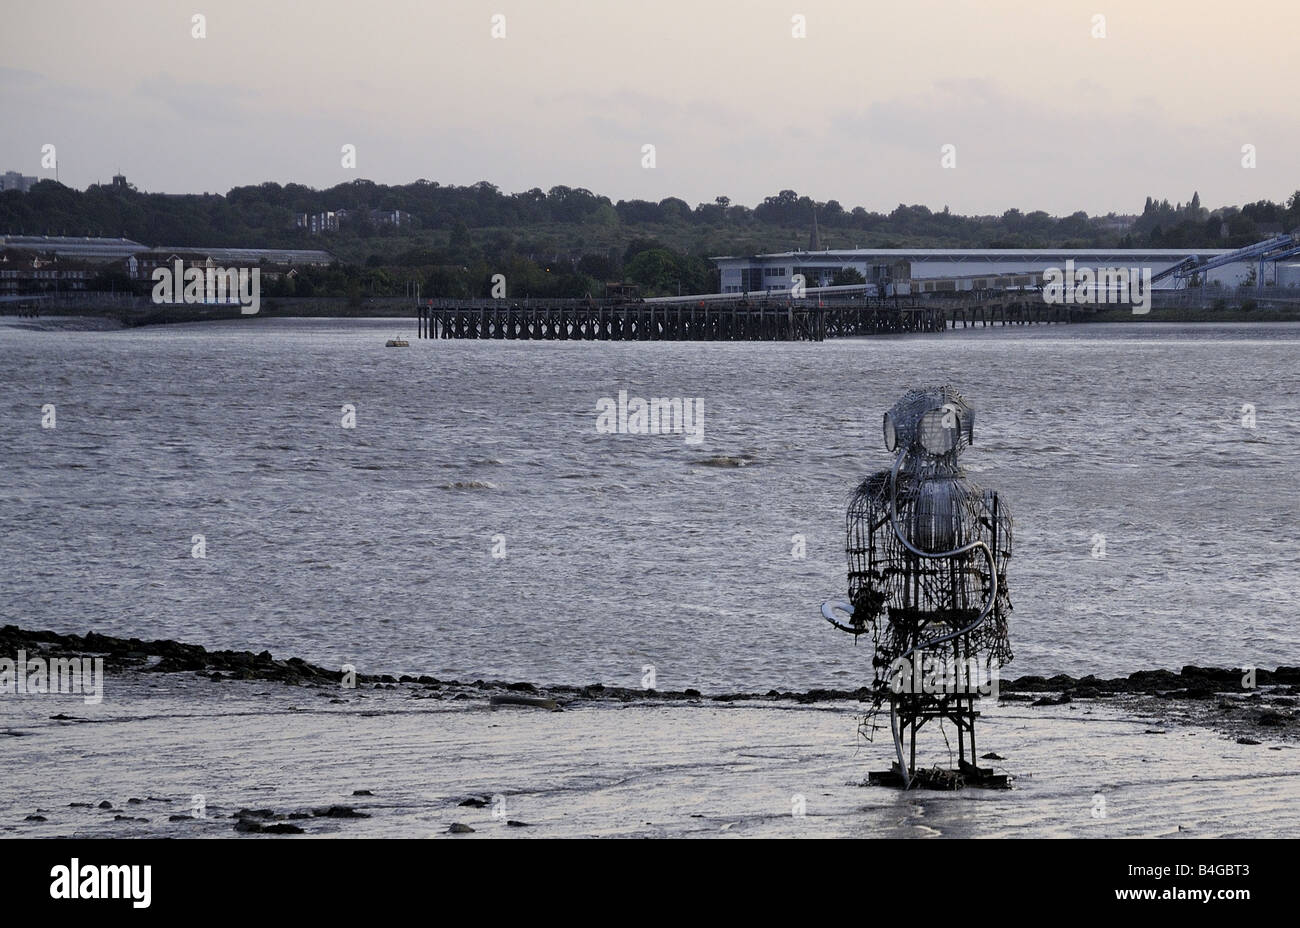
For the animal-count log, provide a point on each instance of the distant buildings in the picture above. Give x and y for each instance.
(389, 217)
(24, 271)
(273, 262)
(41, 263)
(316, 223)
(1113, 223)
(12, 180)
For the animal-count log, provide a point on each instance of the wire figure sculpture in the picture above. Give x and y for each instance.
(928, 553)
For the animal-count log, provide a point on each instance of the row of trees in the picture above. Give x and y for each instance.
(1193, 226)
(264, 214)
(653, 268)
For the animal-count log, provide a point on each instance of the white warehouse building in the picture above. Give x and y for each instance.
(925, 270)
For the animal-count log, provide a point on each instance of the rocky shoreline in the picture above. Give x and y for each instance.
(123, 655)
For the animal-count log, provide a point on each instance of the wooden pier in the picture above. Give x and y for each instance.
(726, 320)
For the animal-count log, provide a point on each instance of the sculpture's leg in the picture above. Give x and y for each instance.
(898, 745)
(961, 729)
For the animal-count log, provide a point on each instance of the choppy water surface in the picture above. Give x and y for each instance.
(374, 545)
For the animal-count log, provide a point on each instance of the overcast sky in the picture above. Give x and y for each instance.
(1042, 114)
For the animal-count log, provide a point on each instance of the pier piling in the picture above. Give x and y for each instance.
(724, 320)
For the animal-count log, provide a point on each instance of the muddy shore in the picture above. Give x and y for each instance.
(190, 742)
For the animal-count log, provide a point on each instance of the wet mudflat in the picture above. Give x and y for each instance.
(267, 759)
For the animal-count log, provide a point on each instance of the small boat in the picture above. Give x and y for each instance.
(397, 342)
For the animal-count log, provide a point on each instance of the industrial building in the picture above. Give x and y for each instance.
(116, 249)
(1288, 274)
(232, 257)
(43, 263)
(927, 270)
(76, 247)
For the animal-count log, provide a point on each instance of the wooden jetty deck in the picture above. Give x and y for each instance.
(728, 320)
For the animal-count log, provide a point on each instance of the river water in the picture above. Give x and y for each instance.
(375, 545)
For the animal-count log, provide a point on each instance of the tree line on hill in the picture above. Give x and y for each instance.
(569, 241)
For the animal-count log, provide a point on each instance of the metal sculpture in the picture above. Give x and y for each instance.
(928, 553)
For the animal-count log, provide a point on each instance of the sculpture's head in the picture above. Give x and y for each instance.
(936, 422)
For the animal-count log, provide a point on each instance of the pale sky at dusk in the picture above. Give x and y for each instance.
(1043, 115)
